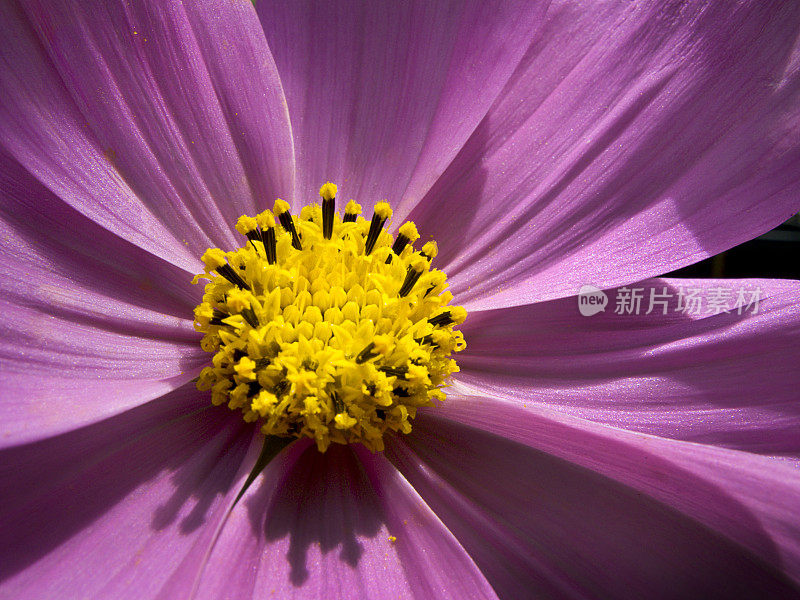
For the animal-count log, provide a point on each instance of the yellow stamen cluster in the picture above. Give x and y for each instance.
(325, 327)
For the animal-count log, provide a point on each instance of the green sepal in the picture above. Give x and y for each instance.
(272, 447)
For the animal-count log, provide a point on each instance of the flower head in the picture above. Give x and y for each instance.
(327, 328)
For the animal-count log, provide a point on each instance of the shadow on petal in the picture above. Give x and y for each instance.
(539, 526)
(327, 501)
(448, 221)
(100, 484)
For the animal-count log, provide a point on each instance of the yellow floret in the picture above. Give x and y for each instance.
(345, 421)
(238, 300)
(418, 263)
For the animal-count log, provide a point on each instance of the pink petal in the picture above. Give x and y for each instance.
(749, 499)
(314, 526)
(119, 509)
(435, 562)
(728, 379)
(633, 139)
(382, 95)
(91, 325)
(159, 122)
(541, 527)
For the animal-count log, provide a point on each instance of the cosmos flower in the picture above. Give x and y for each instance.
(545, 147)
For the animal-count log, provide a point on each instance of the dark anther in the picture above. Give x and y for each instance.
(381, 414)
(310, 364)
(262, 363)
(239, 354)
(250, 316)
(375, 227)
(349, 217)
(281, 387)
(441, 319)
(228, 273)
(366, 353)
(288, 225)
(401, 392)
(218, 316)
(253, 388)
(337, 402)
(399, 243)
(328, 207)
(254, 236)
(399, 372)
(270, 245)
(412, 277)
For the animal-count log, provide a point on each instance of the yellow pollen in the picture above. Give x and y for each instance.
(409, 230)
(383, 210)
(352, 208)
(281, 206)
(265, 219)
(246, 224)
(328, 191)
(214, 258)
(320, 327)
(430, 249)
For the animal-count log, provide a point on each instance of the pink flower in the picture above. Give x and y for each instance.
(545, 147)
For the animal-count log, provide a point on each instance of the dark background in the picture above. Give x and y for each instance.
(773, 255)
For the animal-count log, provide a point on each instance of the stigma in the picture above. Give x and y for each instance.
(327, 327)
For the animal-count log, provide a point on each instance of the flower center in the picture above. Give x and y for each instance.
(327, 327)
